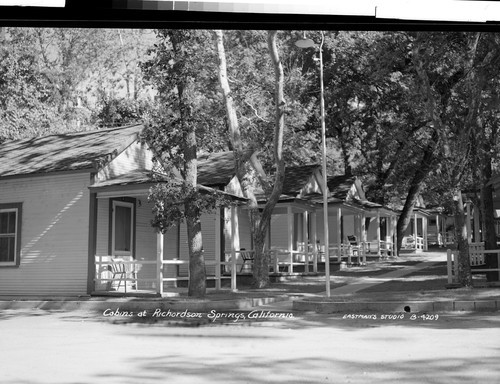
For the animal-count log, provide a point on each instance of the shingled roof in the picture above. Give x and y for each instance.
(296, 177)
(65, 152)
(216, 168)
(339, 186)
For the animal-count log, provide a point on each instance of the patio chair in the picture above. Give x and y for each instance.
(246, 256)
(123, 271)
(353, 243)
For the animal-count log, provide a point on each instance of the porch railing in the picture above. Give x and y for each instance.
(360, 252)
(413, 243)
(477, 255)
(281, 258)
(112, 271)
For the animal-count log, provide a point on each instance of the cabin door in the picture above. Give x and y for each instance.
(122, 228)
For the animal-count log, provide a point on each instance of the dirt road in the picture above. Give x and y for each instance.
(79, 348)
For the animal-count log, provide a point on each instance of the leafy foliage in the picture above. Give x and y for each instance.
(172, 194)
(251, 78)
(119, 112)
(52, 79)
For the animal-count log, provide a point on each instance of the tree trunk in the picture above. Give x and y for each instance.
(259, 221)
(421, 173)
(240, 158)
(464, 271)
(197, 273)
(261, 268)
(487, 208)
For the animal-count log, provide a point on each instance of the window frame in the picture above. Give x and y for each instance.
(18, 209)
(123, 202)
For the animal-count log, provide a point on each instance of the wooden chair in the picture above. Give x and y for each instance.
(123, 271)
(353, 243)
(246, 256)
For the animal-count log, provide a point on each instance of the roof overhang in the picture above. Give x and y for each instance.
(139, 183)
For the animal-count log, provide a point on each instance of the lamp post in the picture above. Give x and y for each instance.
(308, 43)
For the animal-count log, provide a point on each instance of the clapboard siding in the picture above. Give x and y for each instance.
(244, 230)
(349, 228)
(332, 229)
(54, 235)
(102, 239)
(145, 237)
(208, 236)
(279, 231)
(171, 250)
(136, 156)
(183, 249)
(243, 235)
(228, 231)
(208, 231)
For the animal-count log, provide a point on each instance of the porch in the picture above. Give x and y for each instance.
(358, 231)
(426, 228)
(130, 257)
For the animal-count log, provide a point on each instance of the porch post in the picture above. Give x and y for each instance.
(159, 263)
(305, 240)
(217, 250)
(438, 230)
(424, 228)
(314, 242)
(92, 245)
(357, 226)
(363, 235)
(339, 233)
(378, 235)
(357, 233)
(391, 235)
(477, 231)
(415, 224)
(469, 231)
(233, 248)
(289, 215)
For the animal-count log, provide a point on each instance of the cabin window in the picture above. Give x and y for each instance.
(122, 231)
(10, 234)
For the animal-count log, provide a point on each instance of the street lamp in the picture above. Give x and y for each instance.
(308, 43)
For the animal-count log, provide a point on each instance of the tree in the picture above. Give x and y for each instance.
(482, 90)
(118, 112)
(25, 108)
(87, 66)
(180, 66)
(59, 79)
(259, 220)
(373, 118)
(454, 75)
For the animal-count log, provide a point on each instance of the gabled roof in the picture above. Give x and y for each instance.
(297, 177)
(339, 186)
(65, 152)
(216, 168)
(143, 179)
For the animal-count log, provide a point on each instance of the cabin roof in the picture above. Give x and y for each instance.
(216, 168)
(339, 186)
(65, 152)
(142, 178)
(296, 177)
